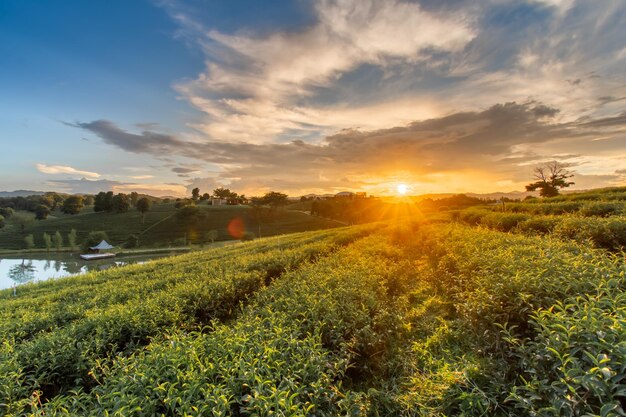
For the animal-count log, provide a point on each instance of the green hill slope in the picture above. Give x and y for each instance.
(402, 319)
(160, 227)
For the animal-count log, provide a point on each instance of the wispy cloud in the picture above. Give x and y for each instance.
(257, 88)
(86, 186)
(64, 169)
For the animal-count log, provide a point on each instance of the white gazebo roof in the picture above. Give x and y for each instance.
(104, 245)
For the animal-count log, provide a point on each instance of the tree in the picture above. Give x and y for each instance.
(134, 197)
(99, 202)
(225, 193)
(120, 203)
(189, 216)
(107, 202)
(89, 200)
(58, 241)
(143, 205)
(73, 205)
(549, 179)
(211, 235)
(132, 241)
(195, 194)
(274, 199)
(71, 238)
(42, 212)
(183, 202)
(1, 221)
(6, 212)
(29, 241)
(47, 240)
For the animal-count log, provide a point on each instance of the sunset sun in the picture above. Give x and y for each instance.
(401, 189)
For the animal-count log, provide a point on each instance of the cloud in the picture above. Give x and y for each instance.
(183, 170)
(256, 88)
(87, 186)
(373, 64)
(502, 142)
(146, 141)
(64, 169)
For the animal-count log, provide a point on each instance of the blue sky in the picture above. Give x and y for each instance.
(309, 96)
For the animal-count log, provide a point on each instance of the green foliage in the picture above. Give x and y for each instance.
(160, 225)
(609, 233)
(6, 212)
(247, 236)
(73, 204)
(29, 242)
(47, 240)
(503, 222)
(120, 203)
(143, 205)
(273, 199)
(58, 241)
(132, 242)
(575, 365)
(134, 304)
(1, 221)
(211, 236)
(71, 239)
(42, 212)
(602, 209)
(405, 319)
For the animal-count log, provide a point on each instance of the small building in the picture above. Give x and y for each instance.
(95, 252)
(104, 245)
(219, 201)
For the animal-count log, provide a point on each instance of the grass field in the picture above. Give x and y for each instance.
(160, 227)
(402, 318)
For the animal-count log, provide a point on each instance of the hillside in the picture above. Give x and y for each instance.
(398, 318)
(160, 227)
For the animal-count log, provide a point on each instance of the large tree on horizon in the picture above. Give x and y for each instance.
(550, 178)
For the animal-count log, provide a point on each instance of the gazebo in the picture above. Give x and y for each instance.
(104, 245)
(95, 252)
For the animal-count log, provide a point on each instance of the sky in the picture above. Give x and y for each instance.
(310, 96)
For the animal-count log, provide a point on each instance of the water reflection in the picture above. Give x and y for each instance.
(20, 270)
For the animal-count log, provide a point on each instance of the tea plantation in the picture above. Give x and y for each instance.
(482, 315)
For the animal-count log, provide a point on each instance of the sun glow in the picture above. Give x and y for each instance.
(402, 189)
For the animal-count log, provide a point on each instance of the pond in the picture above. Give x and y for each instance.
(20, 269)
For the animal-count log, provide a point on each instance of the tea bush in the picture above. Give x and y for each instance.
(398, 319)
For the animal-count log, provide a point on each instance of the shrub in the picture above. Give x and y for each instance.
(503, 222)
(247, 236)
(607, 233)
(576, 363)
(132, 241)
(29, 242)
(536, 224)
(472, 216)
(601, 209)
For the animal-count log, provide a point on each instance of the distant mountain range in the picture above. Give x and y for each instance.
(20, 193)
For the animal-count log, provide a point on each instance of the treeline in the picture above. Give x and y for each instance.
(43, 205)
(121, 203)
